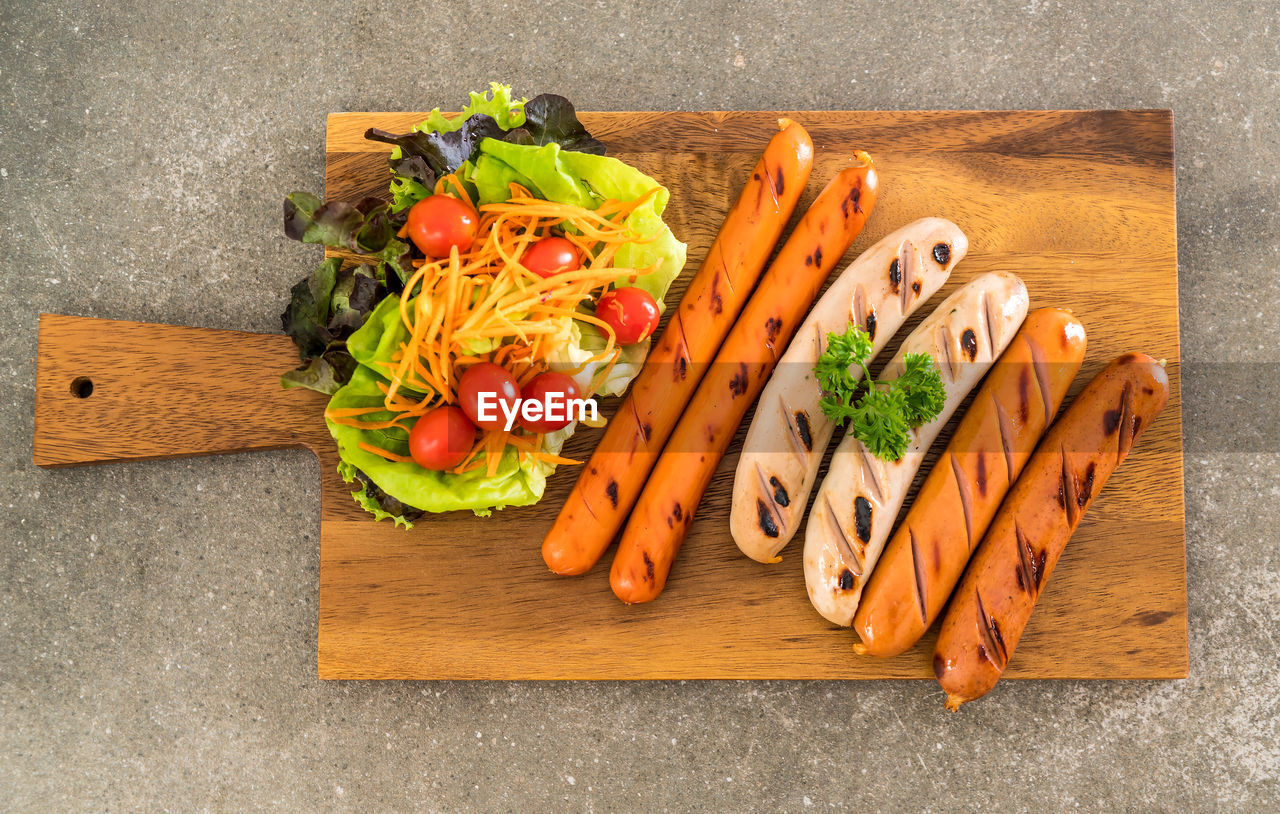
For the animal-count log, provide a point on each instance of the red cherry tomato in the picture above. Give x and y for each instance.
(499, 387)
(440, 222)
(441, 438)
(550, 256)
(631, 312)
(563, 386)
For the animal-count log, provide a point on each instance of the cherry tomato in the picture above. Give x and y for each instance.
(550, 256)
(499, 388)
(441, 439)
(439, 222)
(538, 389)
(631, 312)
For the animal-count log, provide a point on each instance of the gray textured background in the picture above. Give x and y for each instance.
(158, 621)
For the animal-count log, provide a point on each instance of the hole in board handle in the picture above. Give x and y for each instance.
(82, 387)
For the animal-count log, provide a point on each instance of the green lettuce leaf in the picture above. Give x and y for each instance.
(324, 373)
(368, 226)
(375, 501)
(440, 144)
(551, 119)
(512, 485)
(540, 144)
(588, 180)
(496, 103)
(325, 309)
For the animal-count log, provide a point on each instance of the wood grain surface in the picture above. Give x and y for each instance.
(1080, 204)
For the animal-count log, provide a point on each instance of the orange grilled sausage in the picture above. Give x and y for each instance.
(611, 481)
(927, 554)
(662, 515)
(995, 599)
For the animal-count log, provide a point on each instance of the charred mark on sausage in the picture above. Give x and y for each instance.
(969, 342)
(793, 431)
(767, 525)
(966, 498)
(1070, 488)
(1086, 489)
(771, 326)
(1128, 422)
(612, 491)
(918, 565)
(717, 302)
(895, 275)
(993, 642)
(1030, 567)
(1042, 379)
(1024, 394)
(780, 495)
(1006, 434)
(915, 286)
(681, 368)
(871, 326)
(981, 475)
(677, 511)
(816, 257)
(1110, 421)
(939, 666)
(842, 540)
(778, 186)
(647, 431)
(862, 518)
(846, 580)
(850, 204)
(802, 427)
(738, 384)
(942, 254)
(648, 566)
(908, 259)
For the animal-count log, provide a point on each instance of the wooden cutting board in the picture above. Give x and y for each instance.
(1080, 204)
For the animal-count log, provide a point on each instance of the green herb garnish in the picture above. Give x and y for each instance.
(880, 413)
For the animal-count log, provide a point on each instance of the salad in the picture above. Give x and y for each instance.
(512, 262)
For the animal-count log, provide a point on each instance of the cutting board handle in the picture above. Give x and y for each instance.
(110, 390)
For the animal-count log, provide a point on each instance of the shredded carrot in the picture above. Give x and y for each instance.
(484, 305)
(382, 453)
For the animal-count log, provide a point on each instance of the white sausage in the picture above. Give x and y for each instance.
(859, 499)
(789, 432)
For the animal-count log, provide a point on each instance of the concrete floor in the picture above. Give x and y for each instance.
(158, 621)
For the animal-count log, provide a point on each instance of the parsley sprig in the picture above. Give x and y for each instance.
(880, 413)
